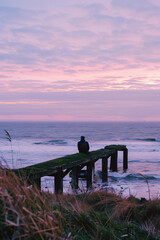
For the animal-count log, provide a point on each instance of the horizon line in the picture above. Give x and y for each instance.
(81, 121)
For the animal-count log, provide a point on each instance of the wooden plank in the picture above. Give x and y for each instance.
(104, 169)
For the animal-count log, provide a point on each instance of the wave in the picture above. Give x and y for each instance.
(148, 139)
(132, 176)
(52, 142)
(128, 176)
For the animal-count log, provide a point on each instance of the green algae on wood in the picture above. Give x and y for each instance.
(60, 167)
(116, 147)
(50, 167)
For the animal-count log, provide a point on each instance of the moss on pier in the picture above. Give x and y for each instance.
(39, 167)
(116, 147)
(65, 162)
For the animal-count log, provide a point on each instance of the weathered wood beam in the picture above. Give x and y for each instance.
(89, 175)
(66, 172)
(125, 159)
(36, 182)
(114, 164)
(74, 182)
(93, 169)
(58, 182)
(104, 169)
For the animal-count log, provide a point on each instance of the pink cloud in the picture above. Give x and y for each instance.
(64, 47)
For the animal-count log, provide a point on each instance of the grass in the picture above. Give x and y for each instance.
(27, 213)
(9, 138)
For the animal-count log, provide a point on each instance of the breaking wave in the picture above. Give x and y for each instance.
(128, 176)
(148, 139)
(52, 142)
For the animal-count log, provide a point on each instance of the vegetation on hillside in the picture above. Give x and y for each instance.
(27, 213)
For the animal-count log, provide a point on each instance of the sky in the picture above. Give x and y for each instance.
(86, 60)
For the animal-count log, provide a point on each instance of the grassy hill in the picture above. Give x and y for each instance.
(27, 213)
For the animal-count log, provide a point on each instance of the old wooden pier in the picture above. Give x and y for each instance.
(74, 163)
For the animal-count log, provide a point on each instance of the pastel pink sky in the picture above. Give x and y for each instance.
(94, 60)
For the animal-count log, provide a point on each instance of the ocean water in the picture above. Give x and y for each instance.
(34, 142)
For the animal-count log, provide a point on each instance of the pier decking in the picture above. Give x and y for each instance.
(60, 167)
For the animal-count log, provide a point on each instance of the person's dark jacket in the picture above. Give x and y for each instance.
(83, 146)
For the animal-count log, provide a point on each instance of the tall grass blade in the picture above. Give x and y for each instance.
(149, 193)
(8, 137)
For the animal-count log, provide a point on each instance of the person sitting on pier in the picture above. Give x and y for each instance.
(83, 146)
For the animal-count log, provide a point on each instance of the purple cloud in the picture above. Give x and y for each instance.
(68, 52)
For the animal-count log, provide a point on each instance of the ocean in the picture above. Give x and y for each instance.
(34, 142)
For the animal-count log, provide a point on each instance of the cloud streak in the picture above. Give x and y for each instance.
(63, 47)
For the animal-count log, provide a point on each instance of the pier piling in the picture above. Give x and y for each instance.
(114, 164)
(37, 182)
(104, 169)
(74, 174)
(89, 175)
(58, 182)
(125, 159)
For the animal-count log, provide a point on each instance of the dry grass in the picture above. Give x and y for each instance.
(26, 210)
(27, 213)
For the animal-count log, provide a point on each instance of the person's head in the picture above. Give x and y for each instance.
(82, 138)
